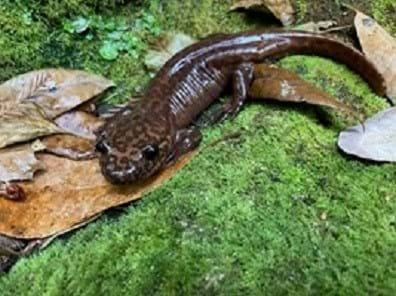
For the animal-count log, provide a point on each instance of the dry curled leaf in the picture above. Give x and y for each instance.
(316, 27)
(282, 9)
(164, 48)
(69, 146)
(29, 101)
(374, 140)
(79, 123)
(54, 90)
(271, 82)
(20, 163)
(68, 193)
(380, 48)
(24, 122)
(10, 246)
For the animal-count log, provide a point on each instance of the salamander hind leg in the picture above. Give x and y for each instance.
(241, 79)
(186, 141)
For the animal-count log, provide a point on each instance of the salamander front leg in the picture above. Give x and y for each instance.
(241, 79)
(186, 141)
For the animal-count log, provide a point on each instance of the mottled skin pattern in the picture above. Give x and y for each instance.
(152, 126)
(145, 136)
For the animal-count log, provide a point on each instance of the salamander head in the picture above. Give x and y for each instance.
(133, 146)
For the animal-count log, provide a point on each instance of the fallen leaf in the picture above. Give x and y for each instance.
(23, 122)
(109, 51)
(164, 48)
(23, 247)
(29, 101)
(246, 4)
(374, 140)
(79, 123)
(69, 146)
(271, 82)
(20, 163)
(282, 9)
(10, 246)
(54, 90)
(316, 27)
(380, 49)
(68, 193)
(80, 25)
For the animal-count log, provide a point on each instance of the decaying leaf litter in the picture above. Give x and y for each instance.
(69, 193)
(81, 190)
(375, 139)
(30, 101)
(20, 163)
(272, 82)
(380, 48)
(80, 166)
(34, 105)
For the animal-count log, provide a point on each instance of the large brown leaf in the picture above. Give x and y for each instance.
(68, 193)
(20, 163)
(54, 90)
(79, 123)
(271, 82)
(380, 48)
(29, 101)
(23, 122)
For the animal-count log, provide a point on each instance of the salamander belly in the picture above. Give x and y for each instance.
(195, 92)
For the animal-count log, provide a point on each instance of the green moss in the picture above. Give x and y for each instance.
(198, 18)
(278, 210)
(301, 9)
(384, 12)
(37, 35)
(20, 41)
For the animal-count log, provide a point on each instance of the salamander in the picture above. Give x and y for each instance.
(145, 136)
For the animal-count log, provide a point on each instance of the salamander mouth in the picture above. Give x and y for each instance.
(122, 177)
(116, 175)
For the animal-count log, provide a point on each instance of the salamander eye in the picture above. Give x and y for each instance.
(150, 152)
(101, 147)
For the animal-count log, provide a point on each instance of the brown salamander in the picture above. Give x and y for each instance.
(144, 137)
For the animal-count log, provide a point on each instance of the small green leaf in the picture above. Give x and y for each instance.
(116, 35)
(27, 18)
(80, 25)
(109, 51)
(68, 27)
(111, 26)
(133, 53)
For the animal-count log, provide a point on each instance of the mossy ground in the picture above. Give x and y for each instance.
(278, 209)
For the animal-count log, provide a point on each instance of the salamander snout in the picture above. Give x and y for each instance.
(134, 145)
(124, 161)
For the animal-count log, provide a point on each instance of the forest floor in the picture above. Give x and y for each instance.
(278, 208)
